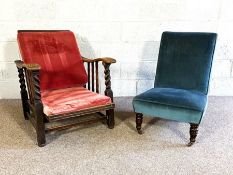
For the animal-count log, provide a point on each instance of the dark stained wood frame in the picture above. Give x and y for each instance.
(193, 128)
(31, 97)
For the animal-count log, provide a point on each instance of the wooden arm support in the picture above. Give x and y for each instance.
(106, 61)
(23, 90)
(32, 72)
(108, 91)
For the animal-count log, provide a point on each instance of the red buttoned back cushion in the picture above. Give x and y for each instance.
(58, 55)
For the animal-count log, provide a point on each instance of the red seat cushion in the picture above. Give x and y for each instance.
(67, 100)
(58, 55)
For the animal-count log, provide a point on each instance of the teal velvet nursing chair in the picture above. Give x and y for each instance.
(181, 82)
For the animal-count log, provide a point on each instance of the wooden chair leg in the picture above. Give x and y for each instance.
(110, 118)
(193, 133)
(139, 118)
(40, 125)
(40, 135)
(26, 110)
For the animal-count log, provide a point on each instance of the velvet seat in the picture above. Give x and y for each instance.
(181, 81)
(174, 97)
(175, 104)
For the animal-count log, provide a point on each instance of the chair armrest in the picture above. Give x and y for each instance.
(32, 67)
(106, 60)
(20, 64)
(32, 72)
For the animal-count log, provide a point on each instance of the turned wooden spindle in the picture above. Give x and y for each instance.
(36, 82)
(39, 115)
(108, 90)
(88, 76)
(23, 92)
(97, 77)
(92, 77)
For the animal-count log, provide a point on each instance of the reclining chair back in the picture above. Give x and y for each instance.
(57, 54)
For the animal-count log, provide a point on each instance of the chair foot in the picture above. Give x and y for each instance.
(190, 144)
(110, 118)
(139, 118)
(26, 117)
(41, 140)
(110, 126)
(139, 131)
(25, 112)
(40, 125)
(193, 133)
(41, 144)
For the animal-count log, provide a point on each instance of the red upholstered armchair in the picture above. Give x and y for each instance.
(57, 87)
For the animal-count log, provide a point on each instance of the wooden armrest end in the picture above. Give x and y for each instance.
(20, 64)
(107, 60)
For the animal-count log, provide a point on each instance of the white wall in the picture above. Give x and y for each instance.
(128, 30)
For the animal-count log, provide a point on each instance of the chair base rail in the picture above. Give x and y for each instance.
(71, 120)
(67, 126)
(79, 113)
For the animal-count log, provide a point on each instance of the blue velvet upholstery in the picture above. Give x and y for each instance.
(185, 60)
(167, 112)
(182, 78)
(174, 97)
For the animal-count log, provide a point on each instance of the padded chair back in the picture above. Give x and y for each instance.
(185, 60)
(58, 55)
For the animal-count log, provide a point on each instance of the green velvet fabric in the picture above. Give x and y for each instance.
(182, 78)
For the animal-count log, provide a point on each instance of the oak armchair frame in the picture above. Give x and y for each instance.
(33, 106)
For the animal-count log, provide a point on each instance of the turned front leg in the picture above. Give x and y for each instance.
(139, 118)
(193, 133)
